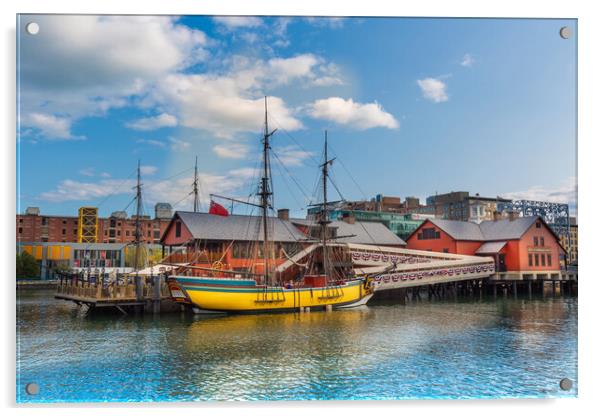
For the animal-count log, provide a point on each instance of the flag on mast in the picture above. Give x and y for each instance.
(217, 209)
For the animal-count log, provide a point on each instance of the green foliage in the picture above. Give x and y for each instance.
(27, 266)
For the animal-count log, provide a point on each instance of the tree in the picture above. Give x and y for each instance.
(27, 266)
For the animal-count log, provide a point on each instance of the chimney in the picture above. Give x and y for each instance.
(512, 215)
(283, 214)
(349, 218)
(497, 215)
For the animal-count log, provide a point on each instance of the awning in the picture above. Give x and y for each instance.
(492, 247)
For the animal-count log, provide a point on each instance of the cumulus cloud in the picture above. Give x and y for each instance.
(231, 150)
(563, 193)
(148, 170)
(220, 105)
(355, 115)
(467, 60)
(331, 22)
(292, 155)
(165, 190)
(85, 65)
(153, 123)
(235, 22)
(433, 89)
(50, 126)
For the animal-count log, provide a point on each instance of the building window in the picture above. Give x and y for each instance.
(20, 230)
(64, 231)
(537, 224)
(543, 260)
(127, 233)
(446, 250)
(20, 220)
(178, 229)
(549, 259)
(536, 260)
(541, 241)
(535, 240)
(530, 260)
(429, 234)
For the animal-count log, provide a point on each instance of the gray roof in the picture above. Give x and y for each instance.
(363, 232)
(459, 230)
(238, 227)
(506, 229)
(503, 229)
(491, 247)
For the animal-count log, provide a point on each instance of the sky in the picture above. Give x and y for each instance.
(412, 106)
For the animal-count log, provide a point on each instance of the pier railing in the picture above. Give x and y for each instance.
(106, 288)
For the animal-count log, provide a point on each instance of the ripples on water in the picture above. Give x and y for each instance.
(464, 349)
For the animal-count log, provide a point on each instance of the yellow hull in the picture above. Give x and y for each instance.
(231, 297)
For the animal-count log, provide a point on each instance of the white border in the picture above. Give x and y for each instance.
(589, 196)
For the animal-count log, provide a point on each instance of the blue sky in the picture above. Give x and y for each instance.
(412, 107)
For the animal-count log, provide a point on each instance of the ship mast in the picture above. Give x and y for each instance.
(195, 186)
(324, 220)
(265, 194)
(138, 235)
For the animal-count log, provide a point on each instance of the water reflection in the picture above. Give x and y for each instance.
(501, 348)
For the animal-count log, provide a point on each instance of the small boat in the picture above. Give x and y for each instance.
(324, 287)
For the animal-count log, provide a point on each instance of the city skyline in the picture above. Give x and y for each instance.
(413, 107)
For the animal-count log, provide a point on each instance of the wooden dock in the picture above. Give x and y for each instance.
(103, 292)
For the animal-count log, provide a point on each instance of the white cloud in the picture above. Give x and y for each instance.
(178, 144)
(223, 106)
(231, 151)
(50, 126)
(467, 60)
(292, 155)
(355, 115)
(153, 123)
(564, 193)
(168, 190)
(148, 170)
(85, 65)
(433, 89)
(152, 142)
(331, 22)
(235, 22)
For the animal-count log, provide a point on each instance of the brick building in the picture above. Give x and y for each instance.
(34, 227)
(525, 245)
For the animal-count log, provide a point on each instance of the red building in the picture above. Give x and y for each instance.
(526, 245)
(230, 242)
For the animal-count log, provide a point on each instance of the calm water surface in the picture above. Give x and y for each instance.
(441, 349)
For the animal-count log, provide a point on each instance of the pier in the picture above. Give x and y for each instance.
(102, 291)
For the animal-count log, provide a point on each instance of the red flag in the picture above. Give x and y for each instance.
(217, 209)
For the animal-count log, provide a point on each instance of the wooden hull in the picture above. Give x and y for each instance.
(243, 296)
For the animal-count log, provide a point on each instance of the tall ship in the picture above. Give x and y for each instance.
(316, 276)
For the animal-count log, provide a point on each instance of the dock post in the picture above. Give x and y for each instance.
(529, 288)
(514, 289)
(543, 288)
(156, 293)
(553, 288)
(494, 287)
(561, 287)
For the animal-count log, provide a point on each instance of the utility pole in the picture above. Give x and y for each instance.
(195, 186)
(138, 235)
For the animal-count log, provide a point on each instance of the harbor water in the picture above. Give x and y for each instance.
(463, 348)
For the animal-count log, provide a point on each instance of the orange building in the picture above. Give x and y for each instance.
(525, 245)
